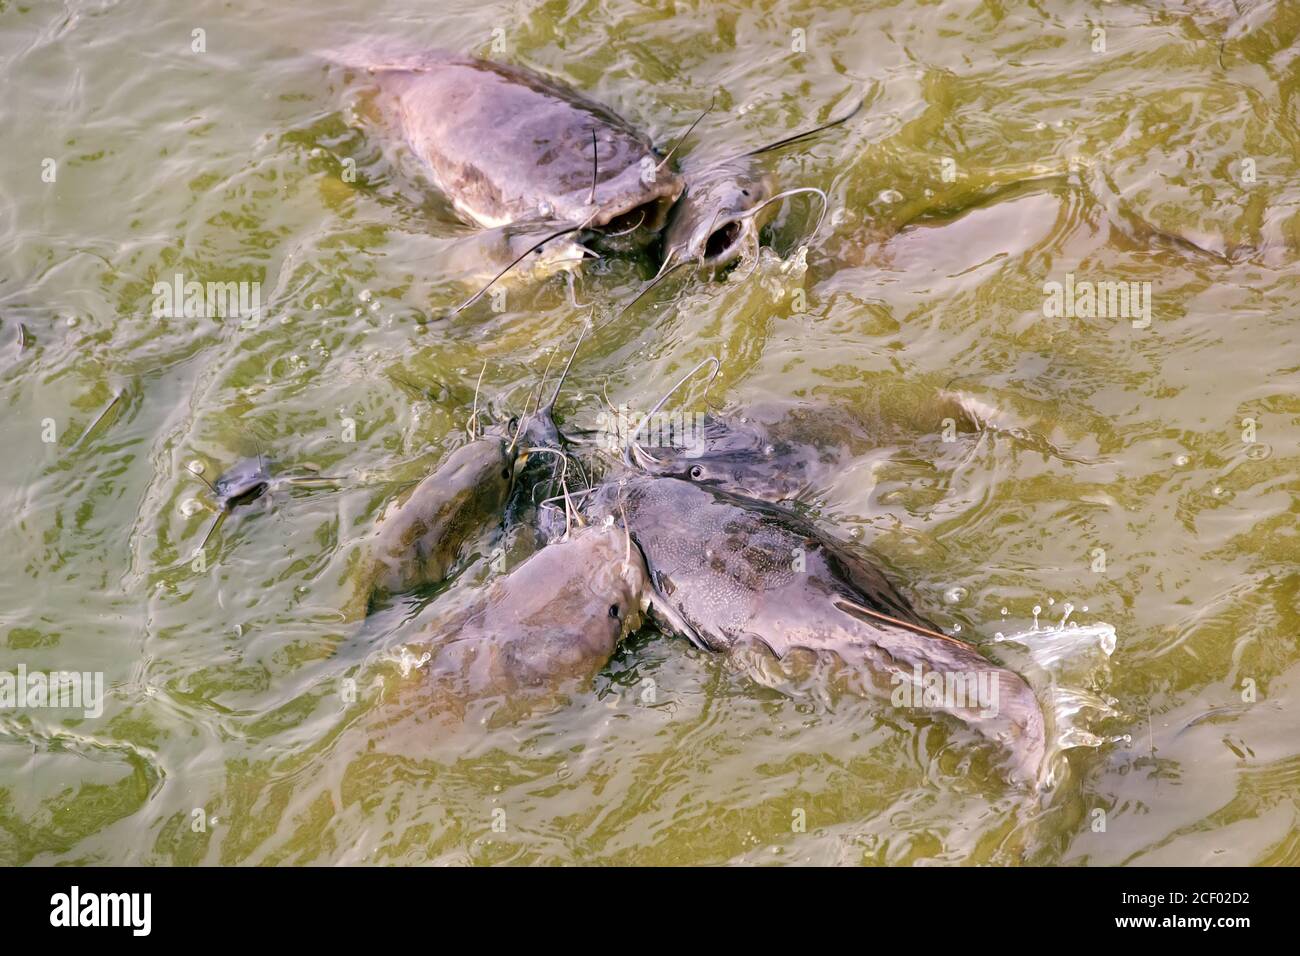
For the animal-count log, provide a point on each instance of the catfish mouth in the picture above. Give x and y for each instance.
(651, 215)
(723, 243)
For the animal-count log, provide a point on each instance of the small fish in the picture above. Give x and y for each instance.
(243, 483)
(99, 419)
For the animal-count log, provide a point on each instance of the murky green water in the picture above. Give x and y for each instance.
(1129, 479)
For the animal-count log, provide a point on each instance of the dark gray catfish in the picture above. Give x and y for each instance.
(774, 450)
(548, 626)
(506, 145)
(779, 450)
(726, 569)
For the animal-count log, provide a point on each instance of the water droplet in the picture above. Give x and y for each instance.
(195, 466)
(1181, 460)
(1069, 609)
(366, 295)
(191, 507)
(1004, 612)
(890, 196)
(954, 595)
(72, 320)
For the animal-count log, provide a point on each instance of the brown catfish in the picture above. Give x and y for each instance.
(726, 569)
(422, 534)
(548, 626)
(506, 145)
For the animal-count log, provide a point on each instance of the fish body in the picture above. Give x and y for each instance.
(508, 145)
(550, 624)
(726, 569)
(422, 535)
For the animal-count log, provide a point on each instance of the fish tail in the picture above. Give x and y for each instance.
(946, 674)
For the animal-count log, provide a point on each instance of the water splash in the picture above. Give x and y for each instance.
(1067, 665)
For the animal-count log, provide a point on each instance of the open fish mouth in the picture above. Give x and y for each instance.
(723, 244)
(728, 240)
(644, 210)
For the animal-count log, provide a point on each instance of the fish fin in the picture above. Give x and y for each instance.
(876, 617)
(382, 59)
(676, 624)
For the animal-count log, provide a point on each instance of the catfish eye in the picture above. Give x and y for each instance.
(505, 473)
(745, 192)
(613, 610)
(696, 472)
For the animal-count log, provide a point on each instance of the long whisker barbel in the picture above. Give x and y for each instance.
(711, 360)
(663, 274)
(550, 502)
(473, 417)
(627, 232)
(794, 192)
(681, 139)
(799, 137)
(520, 258)
(211, 487)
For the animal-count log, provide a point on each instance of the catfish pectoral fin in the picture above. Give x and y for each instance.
(671, 621)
